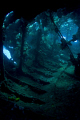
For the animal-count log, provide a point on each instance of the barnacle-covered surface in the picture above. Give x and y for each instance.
(40, 78)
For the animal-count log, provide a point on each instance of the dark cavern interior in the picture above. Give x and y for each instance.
(40, 62)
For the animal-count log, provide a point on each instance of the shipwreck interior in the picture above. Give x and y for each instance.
(37, 77)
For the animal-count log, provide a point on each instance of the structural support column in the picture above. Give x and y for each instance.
(22, 44)
(2, 77)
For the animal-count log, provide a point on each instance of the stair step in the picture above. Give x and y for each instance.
(34, 78)
(24, 97)
(19, 82)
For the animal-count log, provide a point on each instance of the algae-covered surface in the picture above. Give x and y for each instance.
(57, 99)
